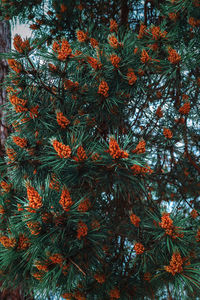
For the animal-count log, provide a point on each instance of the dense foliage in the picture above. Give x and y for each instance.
(100, 179)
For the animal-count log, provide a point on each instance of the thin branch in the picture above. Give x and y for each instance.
(77, 266)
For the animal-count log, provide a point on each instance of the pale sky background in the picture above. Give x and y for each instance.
(21, 29)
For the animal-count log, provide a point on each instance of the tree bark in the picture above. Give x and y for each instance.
(124, 13)
(5, 46)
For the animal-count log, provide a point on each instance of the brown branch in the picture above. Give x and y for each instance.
(188, 154)
(193, 162)
(48, 89)
(77, 266)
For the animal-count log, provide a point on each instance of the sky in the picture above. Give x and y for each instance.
(21, 29)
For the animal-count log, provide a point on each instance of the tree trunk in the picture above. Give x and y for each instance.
(5, 46)
(124, 13)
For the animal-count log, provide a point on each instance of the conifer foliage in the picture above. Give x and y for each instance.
(99, 183)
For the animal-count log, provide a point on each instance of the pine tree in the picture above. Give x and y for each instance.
(100, 184)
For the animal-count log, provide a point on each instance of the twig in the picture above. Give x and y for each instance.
(77, 266)
(43, 84)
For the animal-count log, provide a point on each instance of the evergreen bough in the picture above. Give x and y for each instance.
(100, 181)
